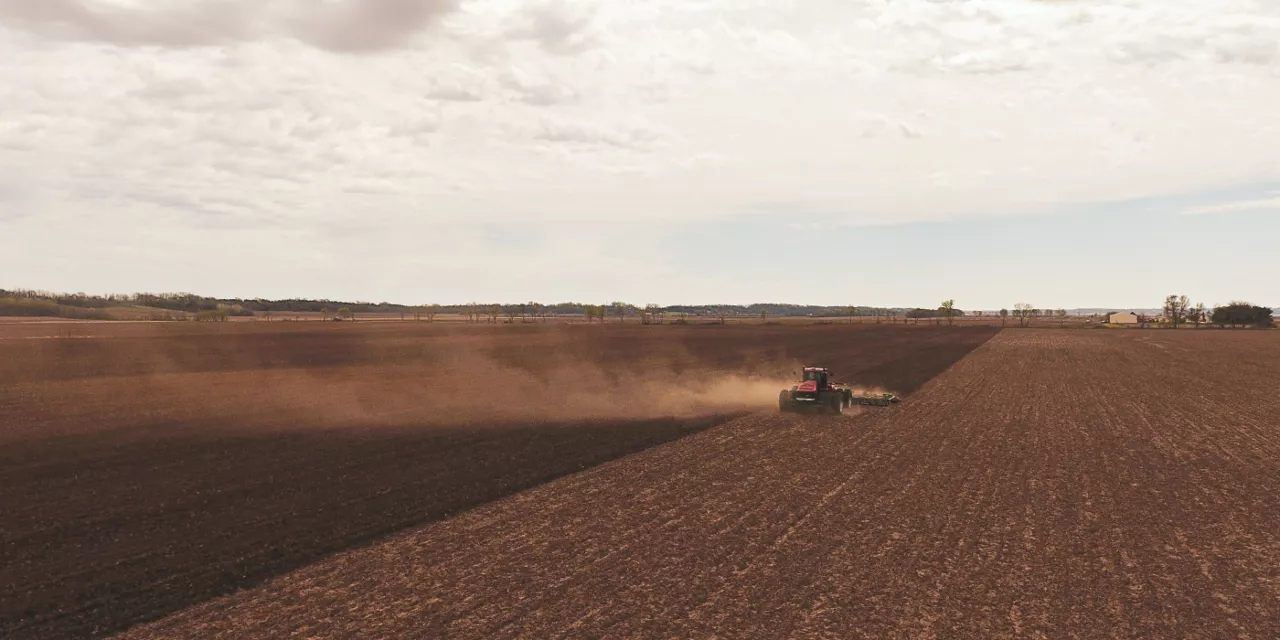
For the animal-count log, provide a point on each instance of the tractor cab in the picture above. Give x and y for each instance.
(817, 375)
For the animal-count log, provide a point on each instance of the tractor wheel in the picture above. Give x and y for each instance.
(837, 405)
(784, 401)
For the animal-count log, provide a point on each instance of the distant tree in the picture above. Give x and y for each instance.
(620, 309)
(1197, 315)
(948, 308)
(1062, 317)
(212, 315)
(1240, 313)
(1175, 309)
(1024, 312)
(495, 310)
(346, 314)
(512, 312)
(649, 315)
(1004, 316)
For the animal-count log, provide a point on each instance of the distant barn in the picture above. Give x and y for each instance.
(1124, 317)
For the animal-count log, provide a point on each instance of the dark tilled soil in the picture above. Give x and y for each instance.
(141, 476)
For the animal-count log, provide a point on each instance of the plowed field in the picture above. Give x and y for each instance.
(1052, 484)
(148, 468)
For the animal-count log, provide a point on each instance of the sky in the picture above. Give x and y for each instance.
(1065, 153)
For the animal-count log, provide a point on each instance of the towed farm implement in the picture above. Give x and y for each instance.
(815, 392)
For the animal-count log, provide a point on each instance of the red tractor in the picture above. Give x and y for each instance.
(816, 392)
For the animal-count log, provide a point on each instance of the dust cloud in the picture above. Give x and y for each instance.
(452, 383)
(474, 388)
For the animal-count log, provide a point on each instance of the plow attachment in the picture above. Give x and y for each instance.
(876, 399)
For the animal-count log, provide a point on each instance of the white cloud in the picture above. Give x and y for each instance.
(342, 25)
(909, 131)
(558, 26)
(457, 83)
(624, 136)
(235, 113)
(1263, 204)
(539, 92)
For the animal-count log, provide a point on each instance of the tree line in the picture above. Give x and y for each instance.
(24, 307)
(1178, 310)
(521, 311)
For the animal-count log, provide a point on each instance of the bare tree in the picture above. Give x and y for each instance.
(948, 309)
(1198, 315)
(1004, 316)
(1175, 309)
(620, 308)
(1024, 312)
(1062, 317)
(649, 315)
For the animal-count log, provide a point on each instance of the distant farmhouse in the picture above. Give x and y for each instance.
(1124, 317)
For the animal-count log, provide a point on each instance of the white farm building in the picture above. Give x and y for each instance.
(1124, 317)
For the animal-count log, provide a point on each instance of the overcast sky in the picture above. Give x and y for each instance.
(882, 152)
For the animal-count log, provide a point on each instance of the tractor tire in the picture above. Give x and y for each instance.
(784, 401)
(837, 405)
